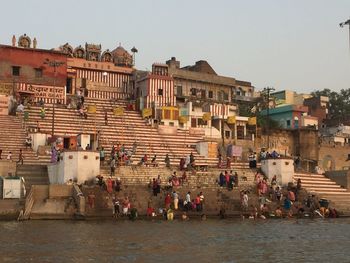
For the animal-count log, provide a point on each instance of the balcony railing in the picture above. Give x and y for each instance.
(244, 98)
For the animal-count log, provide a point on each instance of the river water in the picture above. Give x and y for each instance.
(304, 240)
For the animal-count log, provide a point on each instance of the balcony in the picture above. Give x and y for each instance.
(242, 98)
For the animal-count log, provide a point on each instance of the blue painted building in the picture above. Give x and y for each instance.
(288, 116)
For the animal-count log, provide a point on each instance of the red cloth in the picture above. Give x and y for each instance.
(167, 200)
(109, 185)
(291, 196)
(198, 200)
(150, 210)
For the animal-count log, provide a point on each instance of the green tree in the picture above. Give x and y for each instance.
(339, 103)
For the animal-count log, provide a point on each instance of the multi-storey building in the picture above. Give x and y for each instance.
(29, 72)
(104, 74)
(203, 98)
(318, 107)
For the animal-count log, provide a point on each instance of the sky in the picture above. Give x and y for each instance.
(286, 44)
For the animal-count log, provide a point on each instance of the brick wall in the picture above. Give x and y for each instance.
(28, 60)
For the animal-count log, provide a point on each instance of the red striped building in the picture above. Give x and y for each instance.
(103, 80)
(155, 89)
(105, 75)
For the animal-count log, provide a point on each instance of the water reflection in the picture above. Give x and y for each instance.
(160, 241)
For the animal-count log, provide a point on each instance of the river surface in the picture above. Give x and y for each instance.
(304, 240)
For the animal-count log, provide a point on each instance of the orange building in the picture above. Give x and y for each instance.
(34, 72)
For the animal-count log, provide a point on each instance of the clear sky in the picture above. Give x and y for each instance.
(287, 44)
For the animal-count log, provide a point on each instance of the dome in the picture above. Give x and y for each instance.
(121, 57)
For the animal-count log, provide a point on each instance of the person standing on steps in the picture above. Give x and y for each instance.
(106, 118)
(9, 156)
(167, 201)
(102, 156)
(159, 182)
(112, 165)
(20, 157)
(176, 200)
(167, 161)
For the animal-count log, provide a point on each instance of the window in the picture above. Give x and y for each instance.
(38, 73)
(179, 90)
(220, 96)
(69, 85)
(15, 70)
(160, 92)
(194, 92)
(210, 94)
(240, 132)
(288, 123)
(227, 134)
(202, 122)
(167, 114)
(203, 94)
(175, 115)
(225, 95)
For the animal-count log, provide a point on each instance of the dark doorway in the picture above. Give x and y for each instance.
(69, 85)
(66, 143)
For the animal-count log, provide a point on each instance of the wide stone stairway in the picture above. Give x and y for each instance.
(12, 139)
(33, 175)
(323, 187)
(141, 175)
(125, 129)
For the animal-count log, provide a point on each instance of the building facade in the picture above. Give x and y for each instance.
(26, 71)
(105, 74)
(318, 107)
(291, 116)
(203, 98)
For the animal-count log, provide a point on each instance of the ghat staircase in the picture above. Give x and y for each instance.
(33, 174)
(126, 129)
(141, 175)
(323, 187)
(135, 185)
(12, 139)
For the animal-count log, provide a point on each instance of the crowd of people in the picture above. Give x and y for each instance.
(173, 181)
(187, 163)
(9, 157)
(119, 156)
(287, 201)
(173, 202)
(228, 179)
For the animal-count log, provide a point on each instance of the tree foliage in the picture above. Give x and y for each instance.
(339, 103)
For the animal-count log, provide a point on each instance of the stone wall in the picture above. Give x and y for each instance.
(7, 167)
(308, 144)
(282, 141)
(333, 157)
(60, 191)
(341, 177)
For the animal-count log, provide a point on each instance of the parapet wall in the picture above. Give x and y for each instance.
(7, 167)
(341, 177)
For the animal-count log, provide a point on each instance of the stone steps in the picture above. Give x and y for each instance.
(33, 175)
(325, 188)
(66, 122)
(12, 138)
(143, 175)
